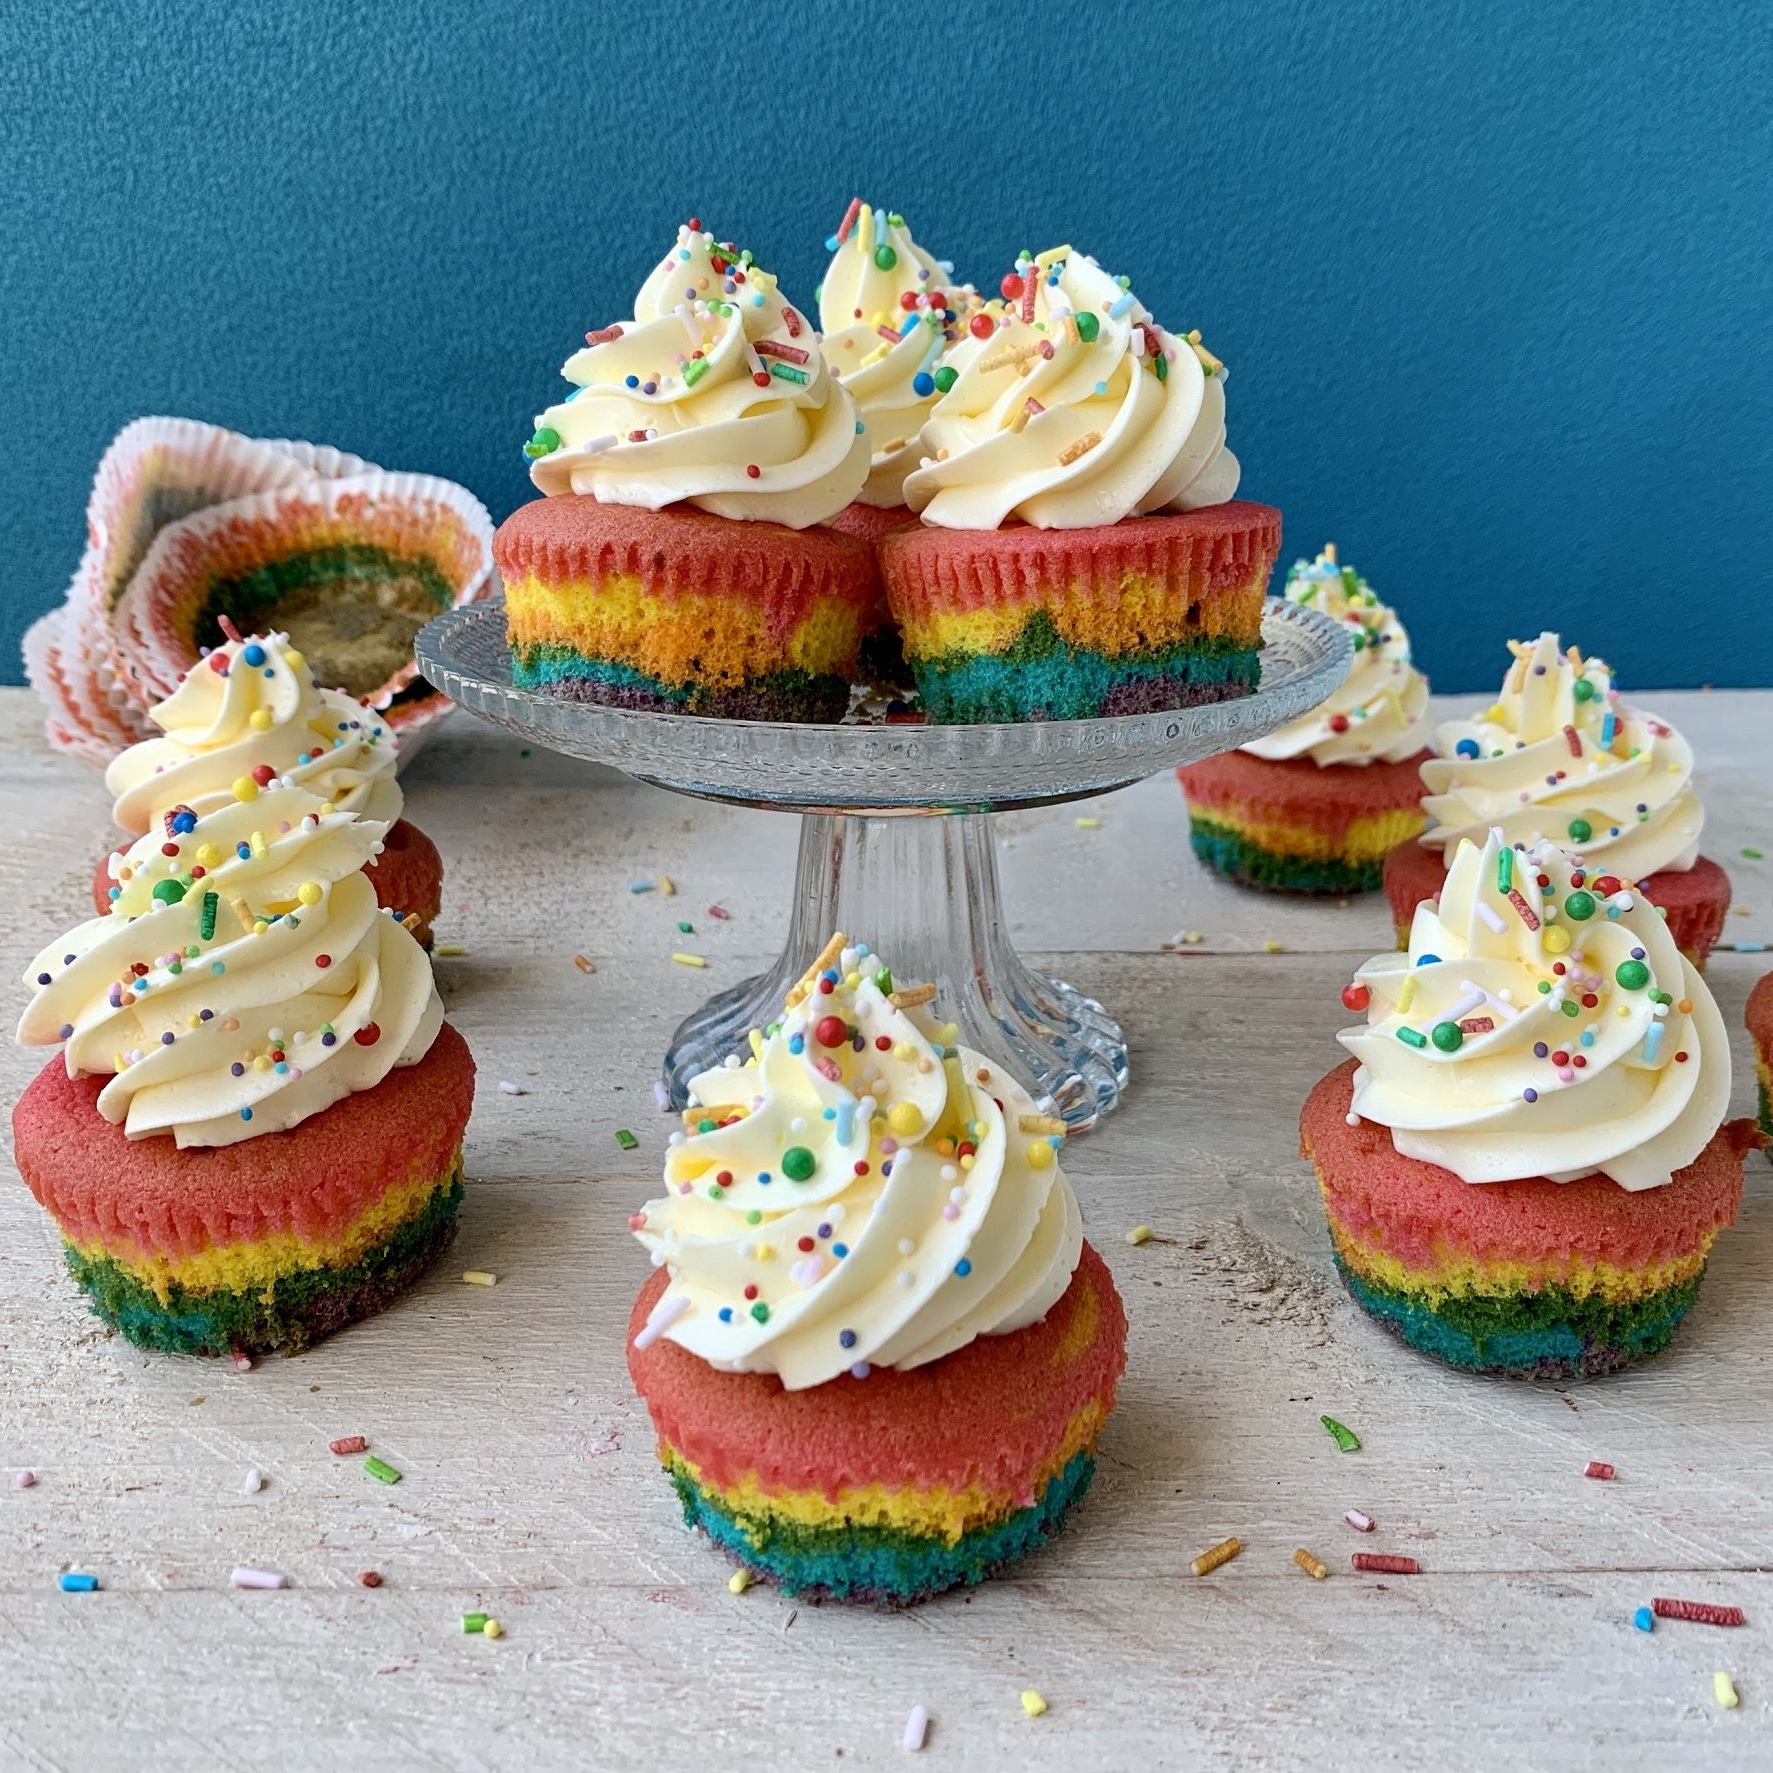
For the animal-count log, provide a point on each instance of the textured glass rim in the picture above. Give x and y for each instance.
(808, 767)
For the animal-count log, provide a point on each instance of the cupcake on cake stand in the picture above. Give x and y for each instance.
(896, 836)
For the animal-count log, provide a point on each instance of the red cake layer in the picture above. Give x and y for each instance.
(1696, 900)
(985, 1415)
(1760, 1019)
(1297, 791)
(1214, 552)
(142, 1197)
(1425, 1216)
(575, 540)
(870, 522)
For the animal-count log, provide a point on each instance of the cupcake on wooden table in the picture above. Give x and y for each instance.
(1525, 1163)
(253, 1132)
(1315, 806)
(676, 562)
(250, 716)
(877, 1350)
(1080, 551)
(1560, 756)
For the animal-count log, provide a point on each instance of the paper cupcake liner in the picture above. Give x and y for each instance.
(311, 558)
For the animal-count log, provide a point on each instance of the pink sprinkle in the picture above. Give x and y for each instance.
(349, 1443)
(951, 1211)
(637, 1221)
(1599, 1468)
(1477, 1025)
(24, 1480)
(1528, 915)
(720, 912)
(1362, 1523)
(886, 332)
(1573, 741)
(787, 353)
(603, 335)
(1385, 1564)
(793, 320)
(849, 220)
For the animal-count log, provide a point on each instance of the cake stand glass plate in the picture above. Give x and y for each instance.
(896, 846)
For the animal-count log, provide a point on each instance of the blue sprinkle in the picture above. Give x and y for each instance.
(1466, 748)
(846, 1121)
(281, 1067)
(796, 1043)
(218, 966)
(166, 1038)
(923, 385)
(1644, 1619)
(1429, 960)
(641, 886)
(67, 1032)
(726, 1314)
(246, 1114)
(840, 1251)
(763, 1176)
(963, 1268)
(832, 244)
(631, 381)
(236, 1069)
(846, 1338)
(77, 1582)
(254, 654)
(829, 1114)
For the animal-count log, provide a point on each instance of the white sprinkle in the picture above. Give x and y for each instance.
(245, 1578)
(1491, 916)
(664, 1316)
(662, 1096)
(253, 1482)
(511, 1089)
(1362, 1523)
(916, 1727)
(598, 445)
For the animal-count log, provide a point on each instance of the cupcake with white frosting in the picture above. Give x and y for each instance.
(1560, 756)
(876, 1348)
(677, 560)
(1080, 551)
(1315, 806)
(1525, 1161)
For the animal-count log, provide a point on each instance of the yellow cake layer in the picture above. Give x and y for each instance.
(1364, 839)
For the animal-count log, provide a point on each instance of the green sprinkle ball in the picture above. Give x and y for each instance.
(798, 1164)
(1579, 906)
(1582, 690)
(545, 442)
(945, 378)
(1449, 1037)
(884, 258)
(1632, 974)
(1088, 326)
(1580, 831)
(169, 892)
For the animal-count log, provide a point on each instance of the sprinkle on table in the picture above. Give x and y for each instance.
(1273, 947)
(253, 1482)
(641, 886)
(1384, 1564)
(1697, 1612)
(506, 1088)
(739, 1581)
(1599, 1468)
(479, 1277)
(1140, 1234)
(492, 1629)
(719, 913)
(244, 1577)
(688, 960)
(1214, 1556)
(1644, 1619)
(78, 1582)
(23, 1480)
(667, 886)
(1313, 1567)
(1723, 1690)
(449, 950)
(1345, 1438)
(349, 1443)
(370, 1578)
(626, 1139)
(917, 1724)
(473, 1622)
(381, 1470)
(685, 929)
(1088, 824)
(1361, 1522)
(583, 964)
(1751, 852)
(1032, 1703)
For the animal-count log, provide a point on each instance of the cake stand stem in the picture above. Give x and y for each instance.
(923, 893)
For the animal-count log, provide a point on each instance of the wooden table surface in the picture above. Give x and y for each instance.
(530, 1488)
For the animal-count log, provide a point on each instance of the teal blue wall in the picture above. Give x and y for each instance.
(1492, 278)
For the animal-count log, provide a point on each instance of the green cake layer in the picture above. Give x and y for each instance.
(877, 1565)
(302, 1307)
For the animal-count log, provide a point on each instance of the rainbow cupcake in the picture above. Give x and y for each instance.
(253, 714)
(879, 1352)
(675, 563)
(1525, 1164)
(1081, 553)
(253, 1132)
(1315, 806)
(1760, 1029)
(1560, 756)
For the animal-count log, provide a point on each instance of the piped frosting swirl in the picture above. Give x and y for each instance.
(860, 1192)
(1542, 1023)
(715, 395)
(1559, 755)
(252, 710)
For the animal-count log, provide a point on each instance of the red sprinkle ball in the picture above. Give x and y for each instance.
(980, 326)
(1338, 723)
(1011, 286)
(752, 468)
(830, 1031)
(367, 1035)
(1355, 998)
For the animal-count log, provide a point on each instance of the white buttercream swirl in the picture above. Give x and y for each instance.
(301, 992)
(1560, 756)
(716, 395)
(254, 704)
(1084, 414)
(881, 283)
(1379, 712)
(924, 1215)
(1540, 1031)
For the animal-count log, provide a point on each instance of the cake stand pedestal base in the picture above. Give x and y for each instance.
(923, 893)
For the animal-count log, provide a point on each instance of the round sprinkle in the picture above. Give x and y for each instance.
(905, 1119)
(1579, 906)
(1448, 1037)
(798, 1163)
(1632, 974)
(1580, 831)
(885, 258)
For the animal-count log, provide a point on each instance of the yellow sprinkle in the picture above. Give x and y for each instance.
(756, 1039)
(259, 720)
(766, 1252)
(689, 960)
(1052, 253)
(447, 950)
(911, 996)
(259, 845)
(293, 659)
(326, 807)
(261, 1063)
(1032, 1703)
(1088, 824)
(1222, 1553)
(1192, 938)
(667, 886)
(1040, 1155)
(1140, 1234)
(245, 788)
(478, 1277)
(1406, 995)
(1556, 939)
(905, 1052)
(905, 1120)
(1723, 1690)
(208, 855)
(1272, 947)
(1081, 447)
(310, 892)
(739, 1581)
(492, 1629)
(1041, 1123)
(1310, 1565)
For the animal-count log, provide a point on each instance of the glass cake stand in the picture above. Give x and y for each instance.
(896, 846)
